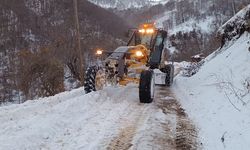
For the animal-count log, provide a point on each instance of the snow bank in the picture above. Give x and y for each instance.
(218, 98)
(111, 118)
(70, 120)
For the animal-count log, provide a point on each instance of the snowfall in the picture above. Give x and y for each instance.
(216, 99)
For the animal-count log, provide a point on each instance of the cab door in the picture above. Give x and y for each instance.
(157, 50)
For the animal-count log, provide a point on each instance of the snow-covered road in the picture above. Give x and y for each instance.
(108, 119)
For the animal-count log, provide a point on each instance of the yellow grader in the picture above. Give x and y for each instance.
(141, 61)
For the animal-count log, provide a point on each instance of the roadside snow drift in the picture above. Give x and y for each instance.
(218, 97)
(109, 119)
(70, 120)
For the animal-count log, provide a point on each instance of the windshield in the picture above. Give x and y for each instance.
(146, 40)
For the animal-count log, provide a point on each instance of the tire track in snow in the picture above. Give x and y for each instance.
(161, 125)
(186, 133)
(124, 139)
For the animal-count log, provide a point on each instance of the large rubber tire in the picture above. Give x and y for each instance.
(89, 82)
(169, 70)
(146, 86)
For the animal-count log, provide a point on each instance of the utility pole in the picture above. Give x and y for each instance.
(233, 7)
(78, 41)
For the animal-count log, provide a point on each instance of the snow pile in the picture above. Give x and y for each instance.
(70, 120)
(218, 97)
(191, 69)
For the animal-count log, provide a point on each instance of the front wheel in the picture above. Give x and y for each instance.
(146, 86)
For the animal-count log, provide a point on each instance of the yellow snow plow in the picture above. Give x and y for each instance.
(134, 63)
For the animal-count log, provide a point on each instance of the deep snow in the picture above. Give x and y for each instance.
(217, 98)
(70, 120)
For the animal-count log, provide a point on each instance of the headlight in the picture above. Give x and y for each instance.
(142, 30)
(99, 52)
(150, 31)
(139, 53)
(147, 31)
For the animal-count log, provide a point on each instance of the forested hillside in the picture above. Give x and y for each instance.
(38, 38)
(192, 24)
(38, 44)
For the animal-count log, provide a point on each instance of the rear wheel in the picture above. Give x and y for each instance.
(146, 86)
(169, 70)
(94, 79)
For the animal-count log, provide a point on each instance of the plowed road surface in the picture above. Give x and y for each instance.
(162, 125)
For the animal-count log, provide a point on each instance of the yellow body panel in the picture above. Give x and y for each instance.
(127, 80)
